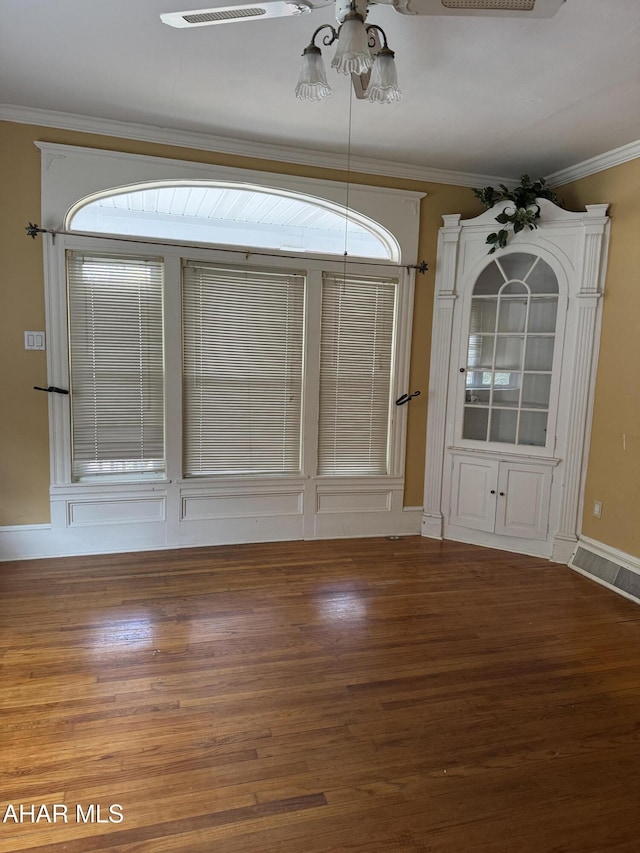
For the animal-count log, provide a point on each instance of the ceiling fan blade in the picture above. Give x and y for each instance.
(479, 8)
(237, 13)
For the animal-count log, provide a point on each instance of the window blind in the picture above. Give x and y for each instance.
(355, 375)
(242, 369)
(116, 361)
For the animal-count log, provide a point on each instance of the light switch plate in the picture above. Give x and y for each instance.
(34, 340)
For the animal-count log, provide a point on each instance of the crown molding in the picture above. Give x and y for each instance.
(242, 147)
(300, 156)
(616, 157)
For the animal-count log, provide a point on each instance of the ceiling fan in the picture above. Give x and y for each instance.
(283, 8)
(363, 51)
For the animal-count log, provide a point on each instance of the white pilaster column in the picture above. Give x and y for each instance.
(445, 296)
(581, 402)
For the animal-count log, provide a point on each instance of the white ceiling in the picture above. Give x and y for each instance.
(492, 96)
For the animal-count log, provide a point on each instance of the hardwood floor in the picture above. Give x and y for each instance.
(317, 697)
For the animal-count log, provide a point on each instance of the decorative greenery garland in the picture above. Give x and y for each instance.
(525, 209)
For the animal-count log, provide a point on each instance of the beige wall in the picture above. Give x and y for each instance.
(613, 475)
(24, 457)
(614, 459)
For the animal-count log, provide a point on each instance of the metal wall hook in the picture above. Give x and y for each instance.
(51, 389)
(405, 398)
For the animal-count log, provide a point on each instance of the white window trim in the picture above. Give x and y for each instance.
(327, 506)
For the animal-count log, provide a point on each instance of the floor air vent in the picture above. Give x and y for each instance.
(618, 577)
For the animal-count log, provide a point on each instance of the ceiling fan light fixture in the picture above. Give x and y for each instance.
(312, 83)
(353, 55)
(383, 85)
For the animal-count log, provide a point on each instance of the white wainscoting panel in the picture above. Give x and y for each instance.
(345, 525)
(233, 531)
(379, 501)
(230, 505)
(123, 511)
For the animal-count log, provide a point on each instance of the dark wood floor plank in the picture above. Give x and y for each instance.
(362, 696)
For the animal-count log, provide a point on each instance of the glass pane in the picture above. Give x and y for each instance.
(503, 378)
(483, 315)
(117, 365)
(480, 351)
(475, 379)
(356, 360)
(489, 281)
(512, 315)
(542, 314)
(539, 353)
(516, 265)
(507, 396)
(222, 213)
(533, 428)
(475, 423)
(509, 352)
(479, 396)
(503, 426)
(542, 278)
(516, 287)
(242, 336)
(477, 388)
(536, 388)
(506, 399)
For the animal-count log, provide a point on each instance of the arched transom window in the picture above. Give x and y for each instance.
(231, 214)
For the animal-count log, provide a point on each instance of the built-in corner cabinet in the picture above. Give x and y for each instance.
(513, 358)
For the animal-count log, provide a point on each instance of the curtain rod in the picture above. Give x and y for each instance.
(33, 231)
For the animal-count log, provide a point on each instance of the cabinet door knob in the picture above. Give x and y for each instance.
(501, 494)
(492, 492)
(462, 370)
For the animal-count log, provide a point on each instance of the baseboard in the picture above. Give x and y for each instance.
(34, 542)
(40, 541)
(608, 566)
(432, 524)
(532, 547)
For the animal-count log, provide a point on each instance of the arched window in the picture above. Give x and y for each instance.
(234, 214)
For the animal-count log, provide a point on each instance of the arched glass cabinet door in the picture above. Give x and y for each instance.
(510, 349)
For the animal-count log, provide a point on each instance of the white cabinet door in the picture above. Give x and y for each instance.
(499, 496)
(523, 500)
(473, 493)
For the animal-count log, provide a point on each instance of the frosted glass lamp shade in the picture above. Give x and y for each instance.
(353, 55)
(312, 83)
(383, 85)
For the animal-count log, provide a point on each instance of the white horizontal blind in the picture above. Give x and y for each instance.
(117, 365)
(242, 369)
(356, 354)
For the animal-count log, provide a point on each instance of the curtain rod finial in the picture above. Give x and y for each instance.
(33, 231)
(422, 267)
